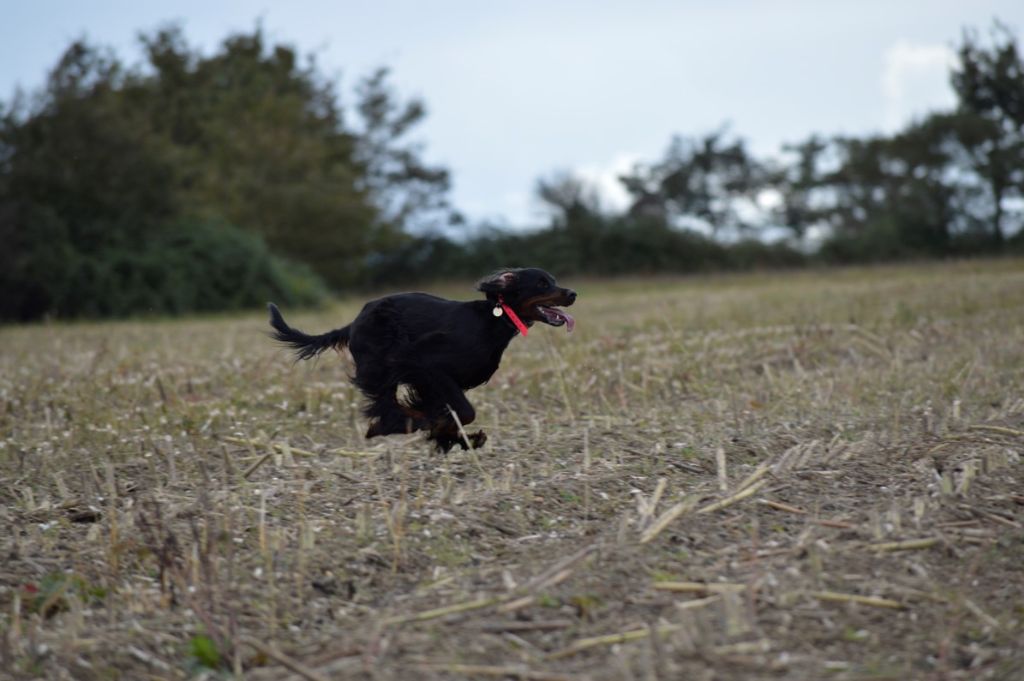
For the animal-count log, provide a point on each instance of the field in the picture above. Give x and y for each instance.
(802, 476)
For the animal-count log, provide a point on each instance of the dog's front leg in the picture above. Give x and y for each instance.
(447, 435)
(449, 411)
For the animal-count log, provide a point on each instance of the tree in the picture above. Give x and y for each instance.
(240, 155)
(799, 183)
(568, 197)
(918, 192)
(80, 178)
(710, 180)
(258, 141)
(989, 82)
(409, 193)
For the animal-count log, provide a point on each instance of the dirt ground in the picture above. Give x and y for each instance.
(795, 476)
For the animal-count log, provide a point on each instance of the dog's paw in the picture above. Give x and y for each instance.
(443, 445)
(477, 439)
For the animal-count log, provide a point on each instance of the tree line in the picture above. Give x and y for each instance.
(193, 182)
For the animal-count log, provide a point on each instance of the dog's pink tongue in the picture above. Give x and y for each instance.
(570, 323)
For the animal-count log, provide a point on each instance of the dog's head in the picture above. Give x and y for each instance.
(532, 293)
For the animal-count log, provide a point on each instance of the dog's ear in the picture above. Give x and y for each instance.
(497, 282)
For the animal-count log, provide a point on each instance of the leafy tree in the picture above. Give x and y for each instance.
(244, 152)
(80, 176)
(91, 219)
(989, 82)
(258, 140)
(568, 198)
(800, 185)
(890, 197)
(708, 180)
(408, 192)
(944, 183)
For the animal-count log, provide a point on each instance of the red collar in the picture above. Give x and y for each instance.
(513, 317)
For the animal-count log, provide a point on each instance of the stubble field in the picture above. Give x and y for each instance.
(794, 476)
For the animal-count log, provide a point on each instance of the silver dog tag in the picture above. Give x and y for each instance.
(497, 311)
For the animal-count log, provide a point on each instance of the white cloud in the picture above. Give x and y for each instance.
(915, 80)
(605, 180)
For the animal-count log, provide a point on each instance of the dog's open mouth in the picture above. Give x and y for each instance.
(556, 317)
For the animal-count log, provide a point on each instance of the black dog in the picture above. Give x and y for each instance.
(437, 348)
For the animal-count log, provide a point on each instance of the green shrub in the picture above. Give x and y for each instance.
(185, 267)
(751, 254)
(879, 242)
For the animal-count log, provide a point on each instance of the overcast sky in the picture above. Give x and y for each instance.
(519, 90)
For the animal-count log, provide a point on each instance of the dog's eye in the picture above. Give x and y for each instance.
(544, 283)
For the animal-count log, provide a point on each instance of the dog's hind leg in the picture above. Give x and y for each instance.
(387, 415)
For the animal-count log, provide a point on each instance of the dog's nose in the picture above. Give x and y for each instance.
(572, 296)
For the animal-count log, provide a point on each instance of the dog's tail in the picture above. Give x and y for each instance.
(304, 345)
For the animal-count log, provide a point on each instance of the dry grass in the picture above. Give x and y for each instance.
(798, 476)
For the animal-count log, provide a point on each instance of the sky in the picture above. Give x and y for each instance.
(518, 91)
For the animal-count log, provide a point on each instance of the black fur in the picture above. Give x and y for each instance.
(436, 348)
(306, 347)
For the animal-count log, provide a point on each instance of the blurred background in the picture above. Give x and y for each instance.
(165, 159)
